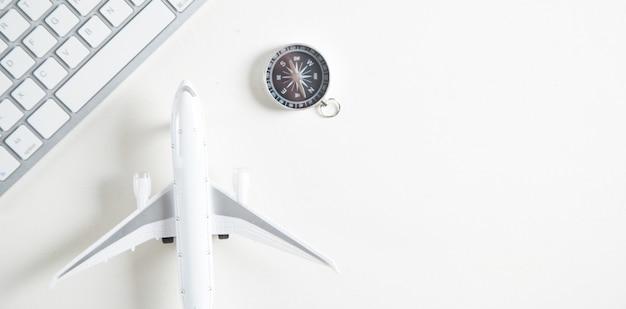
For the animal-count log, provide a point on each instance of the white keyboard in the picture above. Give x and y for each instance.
(59, 59)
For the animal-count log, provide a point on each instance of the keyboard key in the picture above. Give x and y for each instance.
(5, 83)
(9, 115)
(48, 119)
(34, 8)
(84, 6)
(3, 46)
(28, 94)
(50, 73)
(4, 3)
(135, 2)
(13, 25)
(62, 20)
(23, 142)
(94, 31)
(116, 54)
(8, 164)
(180, 5)
(39, 41)
(17, 62)
(72, 52)
(116, 11)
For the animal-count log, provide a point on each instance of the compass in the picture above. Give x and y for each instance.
(297, 77)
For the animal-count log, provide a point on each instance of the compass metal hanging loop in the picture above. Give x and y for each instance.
(326, 104)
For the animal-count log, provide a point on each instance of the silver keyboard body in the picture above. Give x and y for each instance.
(60, 59)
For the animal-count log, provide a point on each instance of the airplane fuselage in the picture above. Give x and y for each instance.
(192, 200)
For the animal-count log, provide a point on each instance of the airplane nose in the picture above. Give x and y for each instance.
(186, 86)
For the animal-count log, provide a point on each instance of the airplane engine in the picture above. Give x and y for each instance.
(142, 186)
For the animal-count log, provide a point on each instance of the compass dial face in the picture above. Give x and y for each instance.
(297, 76)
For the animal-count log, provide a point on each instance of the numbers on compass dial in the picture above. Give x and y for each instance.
(297, 76)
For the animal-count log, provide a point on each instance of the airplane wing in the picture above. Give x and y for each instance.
(154, 221)
(231, 217)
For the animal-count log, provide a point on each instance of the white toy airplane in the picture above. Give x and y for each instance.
(190, 210)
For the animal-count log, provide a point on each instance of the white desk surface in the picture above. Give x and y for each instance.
(479, 161)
